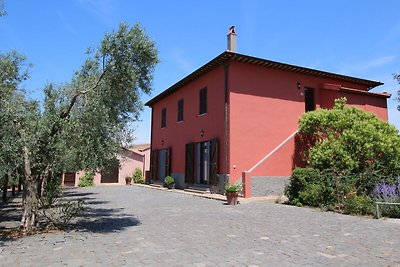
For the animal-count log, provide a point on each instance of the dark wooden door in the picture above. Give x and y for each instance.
(214, 162)
(110, 175)
(69, 179)
(309, 99)
(189, 163)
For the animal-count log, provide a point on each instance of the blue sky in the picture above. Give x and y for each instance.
(356, 38)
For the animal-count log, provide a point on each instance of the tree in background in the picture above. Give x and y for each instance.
(397, 77)
(13, 71)
(81, 124)
(2, 11)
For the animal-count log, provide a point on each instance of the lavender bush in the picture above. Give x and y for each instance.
(388, 193)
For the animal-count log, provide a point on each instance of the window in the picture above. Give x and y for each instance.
(203, 101)
(163, 118)
(309, 99)
(180, 110)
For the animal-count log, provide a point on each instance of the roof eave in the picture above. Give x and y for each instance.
(228, 55)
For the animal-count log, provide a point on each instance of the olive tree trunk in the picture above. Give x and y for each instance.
(30, 198)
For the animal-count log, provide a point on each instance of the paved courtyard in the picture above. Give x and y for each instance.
(138, 226)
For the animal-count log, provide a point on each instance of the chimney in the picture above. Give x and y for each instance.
(232, 39)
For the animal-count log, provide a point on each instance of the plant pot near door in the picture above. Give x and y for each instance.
(128, 180)
(232, 198)
(169, 182)
(232, 193)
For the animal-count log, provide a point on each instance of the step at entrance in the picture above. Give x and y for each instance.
(198, 189)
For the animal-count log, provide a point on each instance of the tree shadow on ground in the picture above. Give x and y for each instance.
(104, 220)
(70, 192)
(95, 217)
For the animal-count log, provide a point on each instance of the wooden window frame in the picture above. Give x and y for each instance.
(164, 118)
(203, 101)
(180, 110)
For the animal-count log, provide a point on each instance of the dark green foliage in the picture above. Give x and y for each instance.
(138, 176)
(169, 180)
(53, 192)
(299, 180)
(328, 190)
(13, 181)
(350, 152)
(392, 211)
(348, 138)
(232, 188)
(355, 204)
(309, 187)
(87, 179)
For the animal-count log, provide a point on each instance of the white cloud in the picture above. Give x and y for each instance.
(66, 23)
(181, 61)
(374, 63)
(105, 10)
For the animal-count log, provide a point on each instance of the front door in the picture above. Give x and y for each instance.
(110, 174)
(162, 161)
(309, 99)
(69, 179)
(202, 163)
(160, 164)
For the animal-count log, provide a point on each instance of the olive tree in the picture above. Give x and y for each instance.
(81, 124)
(397, 77)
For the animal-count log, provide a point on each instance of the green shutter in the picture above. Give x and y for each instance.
(189, 164)
(214, 162)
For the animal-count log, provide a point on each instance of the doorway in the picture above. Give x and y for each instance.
(110, 174)
(203, 162)
(69, 179)
(309, 99)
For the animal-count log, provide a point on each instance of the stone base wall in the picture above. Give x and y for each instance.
(268, 185)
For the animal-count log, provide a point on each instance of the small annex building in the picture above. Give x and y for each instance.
(128, 159)
(239, 113)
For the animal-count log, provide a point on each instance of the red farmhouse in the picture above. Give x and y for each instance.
(239, 113)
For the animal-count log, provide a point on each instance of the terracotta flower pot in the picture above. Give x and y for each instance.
(232, 198)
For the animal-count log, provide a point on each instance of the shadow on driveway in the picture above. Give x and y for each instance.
(96, 217)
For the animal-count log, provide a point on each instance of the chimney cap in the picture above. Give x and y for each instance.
(231, 30)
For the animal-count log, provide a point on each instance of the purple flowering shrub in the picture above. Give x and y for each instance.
(388, 193)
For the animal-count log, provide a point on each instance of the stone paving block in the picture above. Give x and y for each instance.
(138, 226)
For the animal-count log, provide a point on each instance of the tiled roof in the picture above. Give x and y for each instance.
(140, 147)
(230, 56)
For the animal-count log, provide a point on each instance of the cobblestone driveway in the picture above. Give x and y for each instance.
(137, 226)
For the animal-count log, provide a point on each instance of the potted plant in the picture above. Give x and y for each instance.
(128, 180)
(169, 182)
(232, 193)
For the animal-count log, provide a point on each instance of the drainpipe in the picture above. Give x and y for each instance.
(226, 118)
(149, 179)
(144, 165)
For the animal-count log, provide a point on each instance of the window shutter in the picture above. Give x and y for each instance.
(154, 165)
(168, 161)
(163, 118)
(189, 164)
(214, 162)
(203, 101)
(180, 110)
